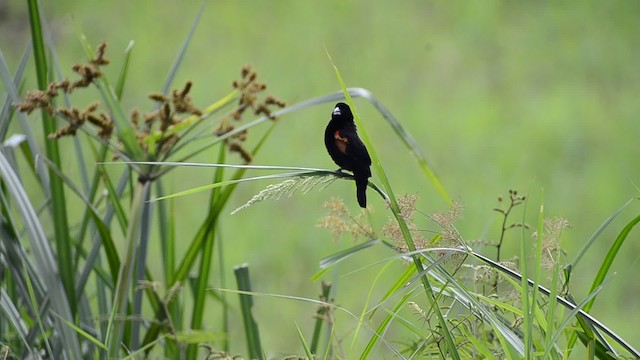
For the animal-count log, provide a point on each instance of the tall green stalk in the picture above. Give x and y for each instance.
(395, 209)
(206, 260)
(58, 205)
(121, 294)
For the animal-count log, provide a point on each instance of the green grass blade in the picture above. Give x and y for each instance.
(596, 234)
(36, 309)
(609, 258)
(226, 309)
(406, 137)
(572, 314)
(530, 304)
(246, 303)
(564, 302)
(331, 260)
(125, 276)
(124, 70)
(307, 350)
(58, 203)
(141, 265)
(102, 228)
(194, 249)
(311, 301)
(43, 254)
(12, 315)
(320, 318)
(11, 86)
(115, 198)
(383, 327)
(379, 170)
(183, 50)
(365, 307)
(206, 259)
(85, 334)
(478, 344)
(167, 232)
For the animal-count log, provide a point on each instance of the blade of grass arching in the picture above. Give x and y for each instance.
(605, 266)
(467, 299)
(399, 129)
(246, 303)
(451, 347)
(206, 259)
(124, 71)
(382, 328)
(597, 351)
(57, 205)
(596, 234)
(48, 272)
(564, 302)
(406, 137)
(609, 258)
(306, 348)
(220, 184)
(570, 317)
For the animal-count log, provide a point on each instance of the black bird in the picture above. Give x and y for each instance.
(347, 150)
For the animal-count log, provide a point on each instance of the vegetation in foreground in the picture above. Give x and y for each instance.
(69, 291)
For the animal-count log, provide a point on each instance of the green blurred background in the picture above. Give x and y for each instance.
(542, 97)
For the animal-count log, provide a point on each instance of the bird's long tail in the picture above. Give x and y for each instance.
(361, 189)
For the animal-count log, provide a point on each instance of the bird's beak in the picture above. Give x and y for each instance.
(336, 111)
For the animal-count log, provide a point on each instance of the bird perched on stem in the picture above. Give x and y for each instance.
(347, 150)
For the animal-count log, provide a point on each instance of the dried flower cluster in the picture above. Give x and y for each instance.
(339, 221)
(551, 249)
(157, 131)
(249, 88)
(37, 99)
(170, 114)
(391, 229)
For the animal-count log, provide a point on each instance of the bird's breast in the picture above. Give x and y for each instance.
(341, 142)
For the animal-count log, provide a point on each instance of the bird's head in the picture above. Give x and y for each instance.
(342, 111)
